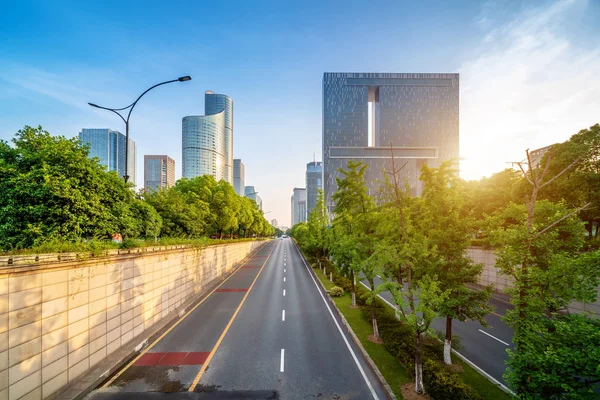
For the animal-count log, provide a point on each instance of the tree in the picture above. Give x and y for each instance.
(183, 211)
(450, 233)
(245, 214)
(353, 204)
(580, 155)
(318, 228)
(148, 219)
(537, 245)
(407, 256)
(224, 208)
(51, 190)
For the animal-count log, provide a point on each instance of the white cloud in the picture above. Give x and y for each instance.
(528, 85)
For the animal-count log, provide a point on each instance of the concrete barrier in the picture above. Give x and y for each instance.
(61, 318)
(491, 274)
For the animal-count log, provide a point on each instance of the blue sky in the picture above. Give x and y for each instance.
(529, 71)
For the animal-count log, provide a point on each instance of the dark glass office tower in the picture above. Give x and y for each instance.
(314, 182)
(366, 113)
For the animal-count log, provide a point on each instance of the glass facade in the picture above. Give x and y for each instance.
(159, 172)
(208, 140)
(314, 182)
(109, 147)
(252, 194)
(416, 114)
(298, 204)
(213, 104)
(239, 176)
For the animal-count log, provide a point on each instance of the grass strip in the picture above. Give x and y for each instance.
(390, 368)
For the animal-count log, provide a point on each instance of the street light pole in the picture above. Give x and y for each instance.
(130, 107)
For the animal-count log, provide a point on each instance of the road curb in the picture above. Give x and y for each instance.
(100, 373)
(388, 390)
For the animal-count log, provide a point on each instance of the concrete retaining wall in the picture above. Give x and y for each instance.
(58, 320)
(491, 274)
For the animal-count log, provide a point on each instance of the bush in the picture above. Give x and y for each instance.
(442, 384)
(131, 243)
(336, 291)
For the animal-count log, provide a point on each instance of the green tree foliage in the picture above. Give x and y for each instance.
(486, 196)
(407, 259)
(52, 190)
(449, 232)
(318, 228)
(352, 223)
(537, 246)
(183, 212)
(581, 183)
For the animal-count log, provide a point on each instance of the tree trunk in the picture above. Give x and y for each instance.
(374, 318)
(220, 234)
(373, 311)
(418, 366)
(353, 290)
(448, 342)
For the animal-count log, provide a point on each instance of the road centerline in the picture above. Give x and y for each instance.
(172, 327)
(216, 347)
(283, 315)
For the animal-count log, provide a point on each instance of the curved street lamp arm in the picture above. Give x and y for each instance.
(132, 105)
(109, 109)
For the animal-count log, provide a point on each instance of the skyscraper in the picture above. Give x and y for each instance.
(252, 194)
(314, 176)
(366, 113)
(207, 141)
(239, 175)
(298, 202)
(159, 172)
(109, 147)
(275, 223)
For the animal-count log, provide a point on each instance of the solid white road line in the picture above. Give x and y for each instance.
(482, 372)
(360, 368)
(283, 315)
(493, 337)
(284, 270)
(281, 361)
(284, 278)
(283, 292)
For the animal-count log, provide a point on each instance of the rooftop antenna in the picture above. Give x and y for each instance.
(314, 157)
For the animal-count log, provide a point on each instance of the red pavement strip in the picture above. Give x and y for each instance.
(232, 290)
(172, 359)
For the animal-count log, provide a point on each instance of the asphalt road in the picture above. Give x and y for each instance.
(265, 333)
(483, 346)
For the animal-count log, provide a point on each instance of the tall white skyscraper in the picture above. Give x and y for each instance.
(298, 202)
(207, 142)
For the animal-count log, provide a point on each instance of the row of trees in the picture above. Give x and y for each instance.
(51, 190)
(418, 246)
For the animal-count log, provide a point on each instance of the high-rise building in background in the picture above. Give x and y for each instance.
(159, 172)
(314, 182)
(207, 140)
(213, 104)
(274, 223)
(109, 147)
(298, 202)
(252, 194)
(239, 176)
(366, 113)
